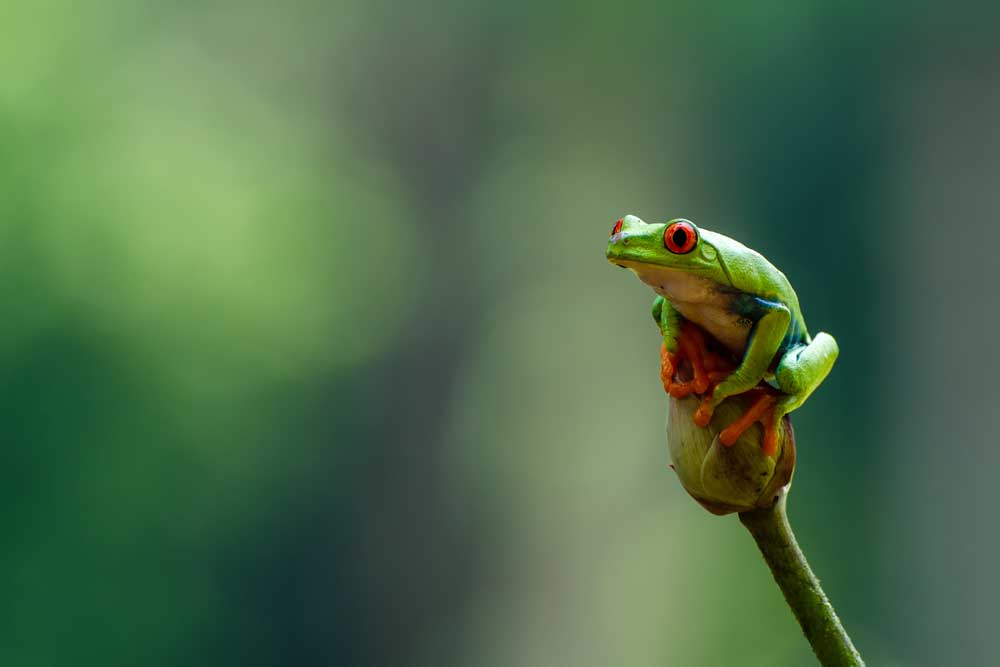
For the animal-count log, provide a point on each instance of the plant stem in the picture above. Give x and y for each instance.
(773, 534)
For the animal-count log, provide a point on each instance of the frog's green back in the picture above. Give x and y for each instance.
(751, 273)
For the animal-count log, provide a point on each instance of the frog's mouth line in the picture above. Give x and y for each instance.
(651, 274)
(670, 282)
(634, 265)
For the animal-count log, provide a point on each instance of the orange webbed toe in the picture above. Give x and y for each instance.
(692, 343)
(703, 415)
(667, 367)
(757, 411)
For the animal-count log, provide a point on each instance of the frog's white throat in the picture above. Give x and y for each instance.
(676, 285)
(698, 299)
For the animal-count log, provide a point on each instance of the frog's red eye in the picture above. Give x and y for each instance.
(618, 227)
(680, 237)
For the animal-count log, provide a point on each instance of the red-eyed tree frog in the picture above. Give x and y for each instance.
(708, 283)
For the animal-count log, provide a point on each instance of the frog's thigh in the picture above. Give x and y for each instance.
(802, 369)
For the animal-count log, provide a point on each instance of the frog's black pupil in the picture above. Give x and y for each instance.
(680, 237)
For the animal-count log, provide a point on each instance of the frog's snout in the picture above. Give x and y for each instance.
(624, 229)
(631, 223)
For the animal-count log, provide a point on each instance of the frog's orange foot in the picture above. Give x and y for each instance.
(757, 411)
(761, 410)
(703, 415)
(668, 363)
(682, 389)
(692, 344)
(706, 368)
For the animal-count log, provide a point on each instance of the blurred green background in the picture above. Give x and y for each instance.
(310, 352)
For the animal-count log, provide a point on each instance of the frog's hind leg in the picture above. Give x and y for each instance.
(804, 368)
(668, 321)
(799, 372)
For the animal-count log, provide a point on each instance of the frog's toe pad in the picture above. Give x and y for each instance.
(703, 415)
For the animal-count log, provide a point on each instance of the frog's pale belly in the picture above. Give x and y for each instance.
(726, 327)
(700, 300)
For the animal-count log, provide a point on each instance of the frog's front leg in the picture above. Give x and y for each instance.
(762, 345)
(683, 339)
(668, 320)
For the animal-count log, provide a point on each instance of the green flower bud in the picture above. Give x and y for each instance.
(727, 479)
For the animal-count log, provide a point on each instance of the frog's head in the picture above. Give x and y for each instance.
(657, 251)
